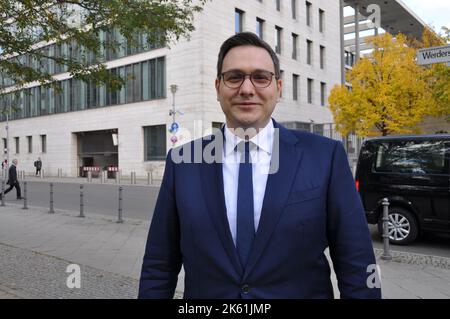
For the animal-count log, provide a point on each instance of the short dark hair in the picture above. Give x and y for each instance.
(246, 38)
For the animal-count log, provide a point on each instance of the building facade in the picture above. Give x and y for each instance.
(90, 127)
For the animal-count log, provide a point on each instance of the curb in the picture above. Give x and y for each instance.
(416, 259)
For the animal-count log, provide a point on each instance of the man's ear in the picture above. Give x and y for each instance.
(280, 89)
(217, 85)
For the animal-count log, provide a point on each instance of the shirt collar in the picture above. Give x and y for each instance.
(263, 140)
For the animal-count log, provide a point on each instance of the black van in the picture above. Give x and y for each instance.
(413, 172)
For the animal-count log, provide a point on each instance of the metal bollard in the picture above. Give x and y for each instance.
(132, 181)
(81, 202)
(89, 177)
(102, 177)
(120, 220)
(117, 177)
(59, 172)
(41, 173)
(25, 204)
(52, 211)
(386, 254)
(150, 178)
(3, 193)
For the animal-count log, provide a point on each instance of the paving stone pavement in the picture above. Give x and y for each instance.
(36, 247)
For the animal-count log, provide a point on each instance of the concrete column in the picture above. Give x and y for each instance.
(357, 5)
(341, 16)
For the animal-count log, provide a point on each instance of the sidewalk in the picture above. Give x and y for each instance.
(36, 248)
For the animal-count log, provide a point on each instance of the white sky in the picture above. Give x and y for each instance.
(435, 13)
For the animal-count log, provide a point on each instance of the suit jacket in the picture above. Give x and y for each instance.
(12, 175)
(310, 203)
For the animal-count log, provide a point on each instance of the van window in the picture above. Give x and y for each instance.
(412, 157)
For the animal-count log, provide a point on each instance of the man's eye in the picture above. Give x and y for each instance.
(260, 77)
(234, 77)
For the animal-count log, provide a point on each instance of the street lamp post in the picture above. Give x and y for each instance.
(174, 126)
(173, 89)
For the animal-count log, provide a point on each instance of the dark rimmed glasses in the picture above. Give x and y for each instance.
(260, 78)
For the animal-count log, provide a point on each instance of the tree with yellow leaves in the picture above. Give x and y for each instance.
(389, 92)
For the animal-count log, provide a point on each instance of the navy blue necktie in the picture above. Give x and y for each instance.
(245, 218)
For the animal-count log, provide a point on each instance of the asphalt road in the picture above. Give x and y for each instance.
(138, 201)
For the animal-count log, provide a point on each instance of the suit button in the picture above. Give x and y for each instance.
(245, 289)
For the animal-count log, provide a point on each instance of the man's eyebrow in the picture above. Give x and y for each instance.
(239, 70)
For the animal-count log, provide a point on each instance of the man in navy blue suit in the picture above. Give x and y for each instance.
(255, 221)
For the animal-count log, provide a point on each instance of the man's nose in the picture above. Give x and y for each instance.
(247, 87)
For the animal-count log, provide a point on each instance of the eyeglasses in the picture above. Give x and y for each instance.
(260, 79)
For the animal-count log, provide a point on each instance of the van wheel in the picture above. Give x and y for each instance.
(402, 226)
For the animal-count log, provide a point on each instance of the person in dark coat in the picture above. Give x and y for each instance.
(38, 165)
(12, 180)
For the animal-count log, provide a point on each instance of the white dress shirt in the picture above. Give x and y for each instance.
(260, 158)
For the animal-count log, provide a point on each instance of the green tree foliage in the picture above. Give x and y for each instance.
(26, 25)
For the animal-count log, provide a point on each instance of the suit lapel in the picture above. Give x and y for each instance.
(277, 190)
(215, 200)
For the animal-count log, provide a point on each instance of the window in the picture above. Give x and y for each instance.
(30, 144)
(322, 57)
(323, 92)
(44, 143)
(321, 20)
(260, 28)
(309, 44)
(279, 31)
(295, 87)
(294, 9)
(294, 45)
(155, 143)
(308, 13)
(310, 91)
(411, 157)
(145, 80)
(238, 20)
(278, 5)
(16, 140)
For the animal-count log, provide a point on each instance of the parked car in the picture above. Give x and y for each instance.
(413, 173)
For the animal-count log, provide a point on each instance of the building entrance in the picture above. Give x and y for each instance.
(98, 151)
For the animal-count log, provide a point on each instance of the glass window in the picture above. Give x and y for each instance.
(129, 81)
(309, 44)
(260, 28)
(294, 9)
(322, 56)
(17, 144)
(155, 143)
(44, 143)
(412, 157)
(310, 91)
(279, 31)
(30, 144)
(278, 5)
(321, 20)
(295, 87)
(161, 78)
(294, 45)
(238, 20)
(308, 13)
(323, 92)
(145, 81)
